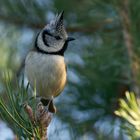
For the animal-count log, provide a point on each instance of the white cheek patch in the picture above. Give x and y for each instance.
(55, 45)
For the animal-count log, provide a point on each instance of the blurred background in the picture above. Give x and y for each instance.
(103, 61)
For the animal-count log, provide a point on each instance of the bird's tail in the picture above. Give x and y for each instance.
(49, 103)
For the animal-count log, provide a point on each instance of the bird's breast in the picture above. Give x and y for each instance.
(46, 72)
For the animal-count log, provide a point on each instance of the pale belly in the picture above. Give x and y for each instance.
(46, 73)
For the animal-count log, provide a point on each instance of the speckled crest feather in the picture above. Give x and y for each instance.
(60, 29)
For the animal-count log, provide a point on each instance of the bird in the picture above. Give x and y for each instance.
(45, 66)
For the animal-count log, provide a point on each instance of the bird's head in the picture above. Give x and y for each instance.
(53, 38)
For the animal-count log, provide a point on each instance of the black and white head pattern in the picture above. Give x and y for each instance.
(53, 38)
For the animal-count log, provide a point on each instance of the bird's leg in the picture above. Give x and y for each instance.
(49, 105)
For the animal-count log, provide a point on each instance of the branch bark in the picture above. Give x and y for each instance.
(33, 25)
(129, 43)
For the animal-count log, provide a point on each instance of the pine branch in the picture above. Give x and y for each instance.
(129, 111)
(26, 116)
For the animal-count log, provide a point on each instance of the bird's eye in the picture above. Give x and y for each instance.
(58, 37)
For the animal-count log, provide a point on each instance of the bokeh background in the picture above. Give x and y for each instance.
(103, 61)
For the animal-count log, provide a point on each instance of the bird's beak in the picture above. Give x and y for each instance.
(70, 39)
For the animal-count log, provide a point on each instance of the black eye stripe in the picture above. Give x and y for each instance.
(57, 37)
(48, 33)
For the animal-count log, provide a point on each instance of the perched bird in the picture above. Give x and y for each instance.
(45, 66)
